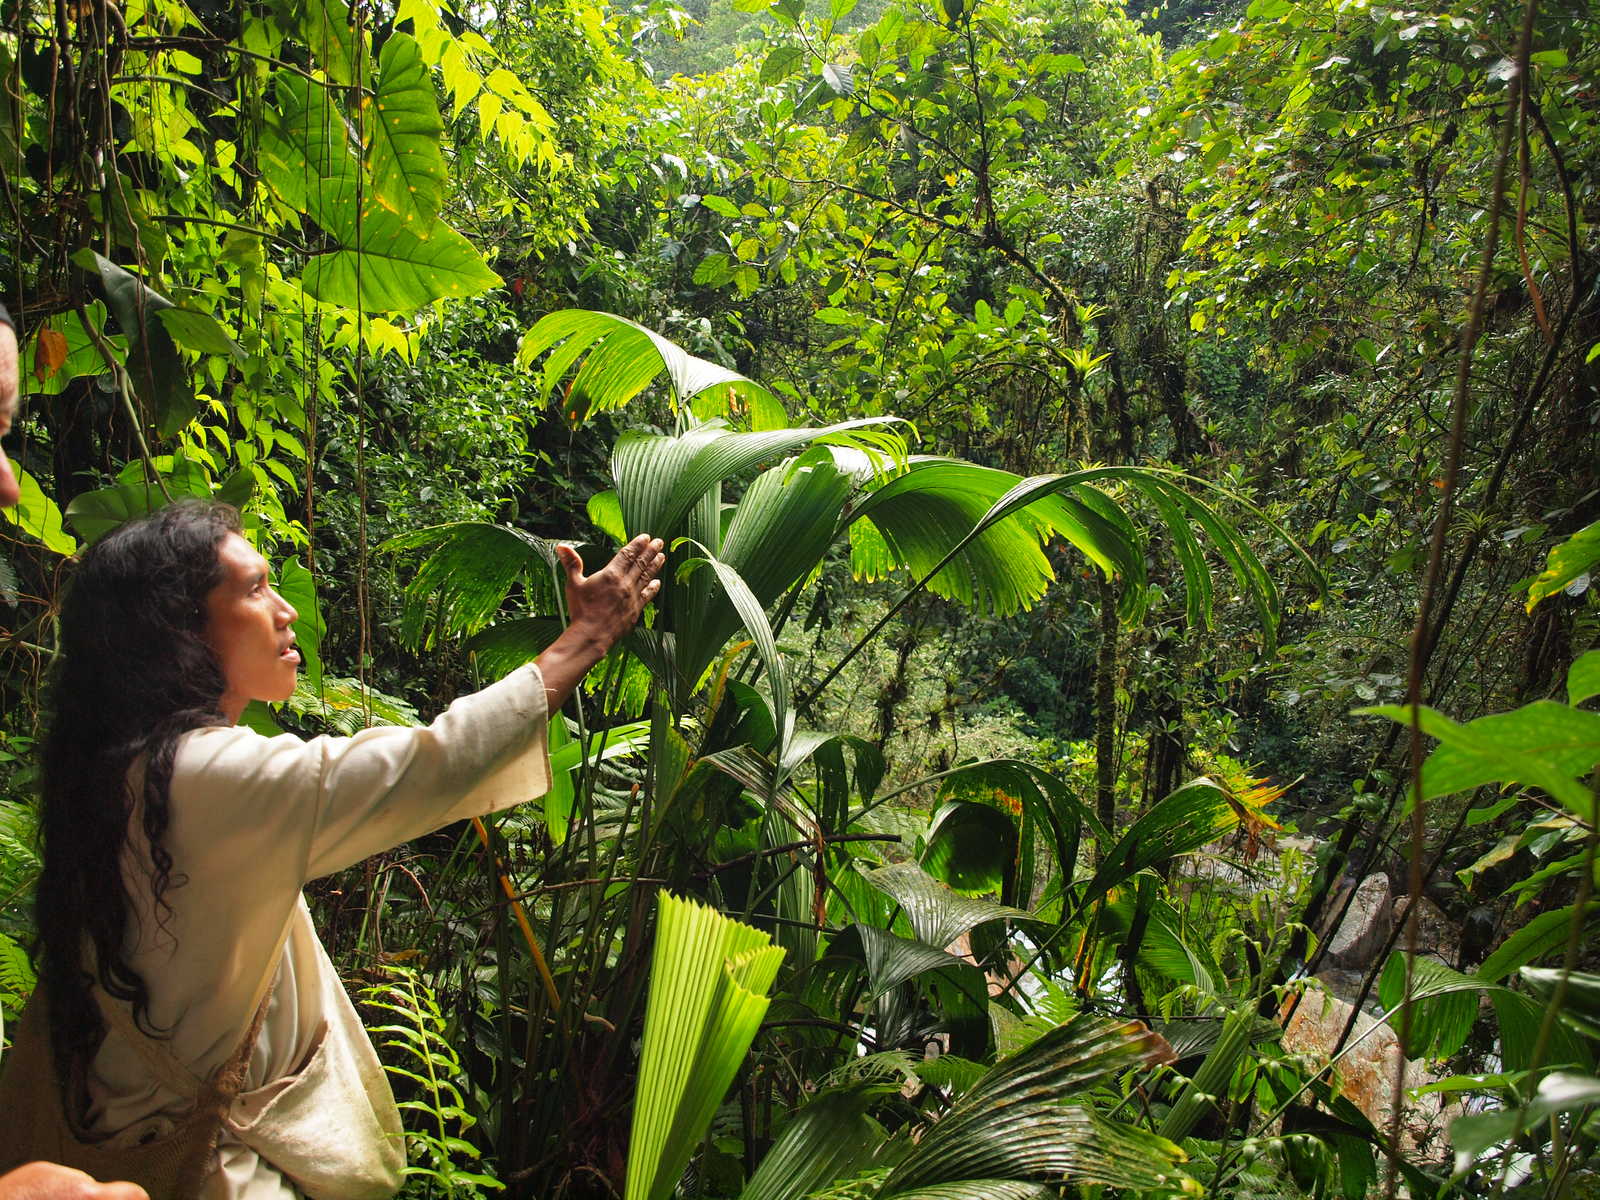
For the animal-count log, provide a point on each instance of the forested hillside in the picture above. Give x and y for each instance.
(1126, 663)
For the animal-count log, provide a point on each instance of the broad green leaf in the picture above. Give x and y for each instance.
(200, 331)
(1087, 517)
(1583, 679)
(1543, 745)
(258, 716)
(1165, 949)
(82, 355)
(37, 515)
(754, 620)
(605, 510)
(778, 533)
(1440, 1025)
(721, 205)
(1047, 804)
(237, 488)
(840, 78)
(153, 364)
(972, 847)
(408, 172)
(326, 27)
(1542, 935)
(1520, 1017)
(1195, 814)
(305, 146)
(385, 267)
(95, 514)
(509, 644)
(1571, 559)
(296, 585)
(558, 801)
(381, 262)
(709, 978)
(781, 63)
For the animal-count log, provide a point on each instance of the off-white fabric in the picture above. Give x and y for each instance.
(253, 819)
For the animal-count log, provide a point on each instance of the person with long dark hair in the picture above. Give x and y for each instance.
(190, 1002)
(38, 1180)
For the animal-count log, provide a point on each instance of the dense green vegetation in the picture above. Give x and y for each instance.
(1066, 422)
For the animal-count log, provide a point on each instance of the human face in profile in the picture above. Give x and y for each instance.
(248, 629)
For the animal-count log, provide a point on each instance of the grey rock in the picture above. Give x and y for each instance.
(1365, 927)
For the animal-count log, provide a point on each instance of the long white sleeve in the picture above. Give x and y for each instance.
(252, 820)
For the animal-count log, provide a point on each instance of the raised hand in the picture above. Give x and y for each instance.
(601, 608)
(605, 605)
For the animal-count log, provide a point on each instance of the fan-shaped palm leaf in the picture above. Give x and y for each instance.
(622, 358)
(938, 518)
(832, 1138)
(1014, 1126)
(470, 568)
(937, 914)
(660, 478)
(709, 980)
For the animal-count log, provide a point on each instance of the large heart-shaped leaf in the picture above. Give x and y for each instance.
(403, 128)
(383, 261)
(37, 515)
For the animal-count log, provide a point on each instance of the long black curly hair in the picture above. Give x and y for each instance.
(134, 674)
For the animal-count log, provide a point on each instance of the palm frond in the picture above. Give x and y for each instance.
(938, 914)
(1014, 1126)
(470, 569)
(621, 358)
(831, 1139)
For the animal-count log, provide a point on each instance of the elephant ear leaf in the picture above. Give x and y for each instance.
(408, 172)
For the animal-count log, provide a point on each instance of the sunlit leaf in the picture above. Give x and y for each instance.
(709, 978)
(1571, 559)
(296, 585)
(404, 125)
(37, 515)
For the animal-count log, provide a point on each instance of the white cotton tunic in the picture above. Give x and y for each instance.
(253, 819)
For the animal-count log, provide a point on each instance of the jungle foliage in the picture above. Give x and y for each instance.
(1064, 422)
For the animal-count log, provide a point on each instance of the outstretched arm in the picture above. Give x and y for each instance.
(601, 608)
